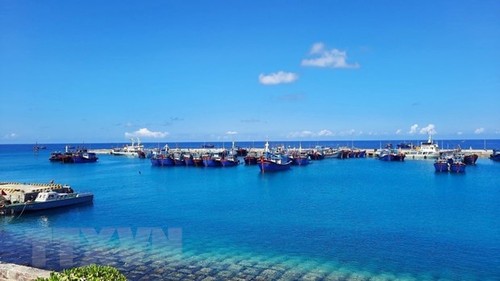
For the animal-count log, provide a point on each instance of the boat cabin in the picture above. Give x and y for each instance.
(50, 196)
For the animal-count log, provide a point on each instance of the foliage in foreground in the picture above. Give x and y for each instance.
(91, 272)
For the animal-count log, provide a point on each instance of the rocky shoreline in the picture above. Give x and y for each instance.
(14, 272)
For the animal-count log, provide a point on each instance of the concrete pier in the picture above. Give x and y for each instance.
(370, 152)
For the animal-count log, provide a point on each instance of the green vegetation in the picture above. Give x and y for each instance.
(91, 272)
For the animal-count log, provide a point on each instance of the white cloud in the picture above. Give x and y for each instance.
(231, 133)
(429, 130)
(479, 131)
(323, 57)
(317, 48)
(413, 129)
(10, 136)
(145, 132)
(279, 77)
(308, 134)
(460, 133)
(348, 133)
(301, 134)
(398, 131)
(325, 133)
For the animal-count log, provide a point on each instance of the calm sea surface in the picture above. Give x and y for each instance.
(353, 219)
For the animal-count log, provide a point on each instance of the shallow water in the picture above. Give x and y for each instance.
(335, 219)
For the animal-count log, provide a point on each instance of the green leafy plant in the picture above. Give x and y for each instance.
(91, 272)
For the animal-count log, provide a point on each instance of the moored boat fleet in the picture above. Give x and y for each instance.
(80, 155)
(454, 161)
(17, 198)
(279, 158)
(267, 159)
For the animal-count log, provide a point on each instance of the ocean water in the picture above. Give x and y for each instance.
(353, 219)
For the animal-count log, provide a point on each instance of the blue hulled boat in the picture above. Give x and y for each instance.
(230, 158)
(83, 156)
(211, 160)
(495, 156)
(229, 161)
(270, 162)
(299, 160)
(178, 159)
(162, 160)
(391, 155)
(273, 165)
(299, 157)
(453, 163)
(457, 167)
(188, 159)
(442, 165)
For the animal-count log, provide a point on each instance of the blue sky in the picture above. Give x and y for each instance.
(104, 71)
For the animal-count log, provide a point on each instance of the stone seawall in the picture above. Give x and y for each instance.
(14, 272)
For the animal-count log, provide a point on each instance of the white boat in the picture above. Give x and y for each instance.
(19, 198)
(133, 150)
(426, 150)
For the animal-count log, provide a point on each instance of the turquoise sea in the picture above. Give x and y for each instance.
(353, 219)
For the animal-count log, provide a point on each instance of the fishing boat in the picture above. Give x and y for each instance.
(316, 153)
(197, 160)
(242, 152)
(273, 164)
(442, 165)
(340, 153)
(18, 198)
(270, 162)
(467, 158)
(211, 160)
(470, 159)
(457, 166)
(162, 160)
(357, 153)
(251, 158)
(391, 155)
(64, 157)
(299, 157)
(495, 156)
(80, 155)
(56, 156)
(229, 158)
(178, 158)
(37, 147)
(188, 159)
(229, 161)
(83, 156)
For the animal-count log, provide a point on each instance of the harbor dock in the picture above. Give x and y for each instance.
(370, 152)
